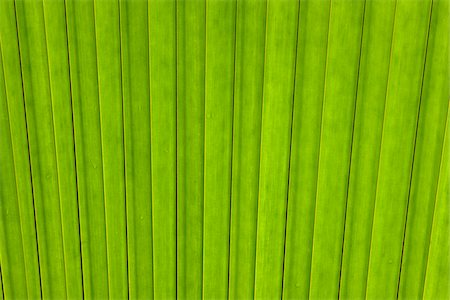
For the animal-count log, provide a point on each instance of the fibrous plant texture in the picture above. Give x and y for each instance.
(224, 149)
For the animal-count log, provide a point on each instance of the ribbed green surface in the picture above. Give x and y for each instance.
(224, 149)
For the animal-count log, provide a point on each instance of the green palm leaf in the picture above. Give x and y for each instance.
(224, 149)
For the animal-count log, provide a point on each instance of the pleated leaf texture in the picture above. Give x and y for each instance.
(224, 149)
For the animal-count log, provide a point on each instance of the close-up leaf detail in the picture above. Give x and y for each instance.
(224, 149)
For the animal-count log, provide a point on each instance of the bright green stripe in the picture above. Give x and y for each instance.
(249, 75)
(250, 39)
(279, 72)
(430, 137)
(373, 77)
(341, 79)
(437, 280)
(86, 117)
(111, 126)
(11, 247)
(396, 157)
(220, 38)
(54, 15)
(162, 29)
(136, 99)
(38, 105)
(16, 112)
(309, 84)
(190, 141)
